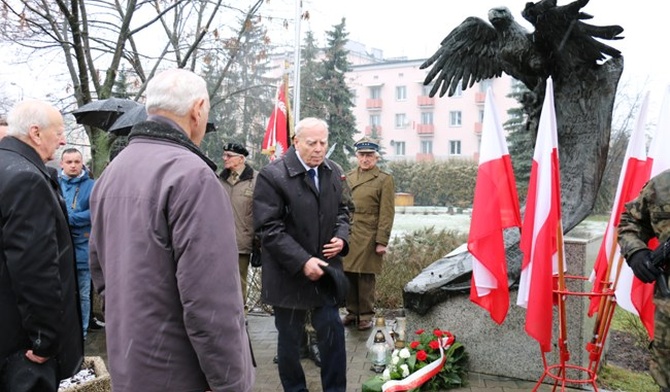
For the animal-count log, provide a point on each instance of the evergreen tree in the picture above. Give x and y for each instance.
(520, 140)
(244, 101)
(312, 97)
(340, 118)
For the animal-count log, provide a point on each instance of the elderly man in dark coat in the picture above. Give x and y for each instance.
(40, 332)
(303, 224)
(163, 253)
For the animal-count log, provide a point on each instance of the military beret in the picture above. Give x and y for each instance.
(236, 148)
(366, 145)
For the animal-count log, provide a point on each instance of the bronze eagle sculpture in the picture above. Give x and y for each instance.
(585, 72)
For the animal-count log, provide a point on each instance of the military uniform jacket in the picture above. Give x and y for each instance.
(373, 192)
(647, 216)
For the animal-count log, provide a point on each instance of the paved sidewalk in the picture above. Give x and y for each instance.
(264, 340)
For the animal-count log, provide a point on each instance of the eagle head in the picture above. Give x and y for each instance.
(500, 17)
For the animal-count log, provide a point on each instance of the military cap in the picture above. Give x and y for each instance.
(236, 148)
(366, 145)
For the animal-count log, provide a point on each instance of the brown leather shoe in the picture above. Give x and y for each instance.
(364, 325)
(349, 319)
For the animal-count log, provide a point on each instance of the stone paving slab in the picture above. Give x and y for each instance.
(264, 341)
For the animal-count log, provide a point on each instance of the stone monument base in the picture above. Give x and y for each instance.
(507, 350)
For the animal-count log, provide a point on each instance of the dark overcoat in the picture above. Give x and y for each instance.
(39, 303)
(294, 222)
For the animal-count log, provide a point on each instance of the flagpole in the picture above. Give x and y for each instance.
(296, 62)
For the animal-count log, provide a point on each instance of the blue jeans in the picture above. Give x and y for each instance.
(290, 324)
(84, 280)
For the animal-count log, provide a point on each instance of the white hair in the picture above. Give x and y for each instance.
(175, 91)
(27, 114)
(308, 123)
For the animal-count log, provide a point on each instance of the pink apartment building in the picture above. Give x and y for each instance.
(390, 98)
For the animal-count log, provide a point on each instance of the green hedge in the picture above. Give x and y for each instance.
(443, 183)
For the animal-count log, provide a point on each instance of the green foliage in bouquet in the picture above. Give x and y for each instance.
(419, 354)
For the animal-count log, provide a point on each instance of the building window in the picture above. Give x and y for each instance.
(425, 90)
(455, 118)
(454, 147)
(484, 85)
(375, 120)
(399, 148)
(481, 116)
(426, 146)
(427, 118)
(354, 95)
(375, 92)
(401, 93)
(400, 120)
(459, 91)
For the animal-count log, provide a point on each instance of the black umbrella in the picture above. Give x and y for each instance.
(104, 112)
(125, 122)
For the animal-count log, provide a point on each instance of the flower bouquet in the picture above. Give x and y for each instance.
(433, 362)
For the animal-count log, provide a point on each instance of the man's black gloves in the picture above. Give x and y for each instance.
(643, 267)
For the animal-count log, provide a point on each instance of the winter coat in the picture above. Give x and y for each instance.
(39, 303)
(294, 221)
(373, 192)
(77, 192)
(163, 256)
(241, 197)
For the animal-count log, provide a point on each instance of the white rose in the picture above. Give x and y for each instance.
(386, 375)
(404, 353)
(405, 370)
(395, 360)
(395, 353)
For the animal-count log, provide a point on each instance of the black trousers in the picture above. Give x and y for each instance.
(290, 324)
(19, 374)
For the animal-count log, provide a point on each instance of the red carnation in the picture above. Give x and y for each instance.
(419, 331)
(414, 345)
(437, 333)
(434, 344)
(421, 355)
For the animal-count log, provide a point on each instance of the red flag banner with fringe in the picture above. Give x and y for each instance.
(278, 135)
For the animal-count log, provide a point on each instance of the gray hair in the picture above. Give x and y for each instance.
(175, 91)
(309, 122)
(26, 114)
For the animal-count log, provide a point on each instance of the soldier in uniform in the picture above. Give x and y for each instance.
(644, 218)
(373, 193)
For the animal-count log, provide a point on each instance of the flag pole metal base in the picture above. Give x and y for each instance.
(559, 372)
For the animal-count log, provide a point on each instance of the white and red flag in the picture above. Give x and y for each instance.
(277, 135)
(542, 222)
(634, 173)
(495, 207)
(632, 294)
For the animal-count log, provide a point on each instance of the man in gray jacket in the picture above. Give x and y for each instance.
(163, 253)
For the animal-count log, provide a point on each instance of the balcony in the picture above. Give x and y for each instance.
(423, 157)
(368, 130)
(478, 128)
(425, 101)
(373, 104)
(425, 129)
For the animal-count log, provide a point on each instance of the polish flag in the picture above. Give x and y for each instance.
(277, 135)
(633, 295)
(541, 225)
(634, 174)
(495, 207)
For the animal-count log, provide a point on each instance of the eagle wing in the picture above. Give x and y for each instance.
(468, 54)
(562, 35)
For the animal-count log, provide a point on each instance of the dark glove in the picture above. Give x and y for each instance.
(643, 268)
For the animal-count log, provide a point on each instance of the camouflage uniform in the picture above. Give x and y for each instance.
(644, 218)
